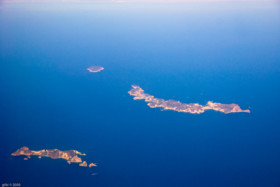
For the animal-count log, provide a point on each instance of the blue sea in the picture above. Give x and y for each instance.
(226, 52)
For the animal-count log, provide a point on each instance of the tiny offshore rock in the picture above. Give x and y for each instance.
(94, 69)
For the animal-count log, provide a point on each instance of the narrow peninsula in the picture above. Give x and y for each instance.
(94, 69)
(70, 155)
(193, 108)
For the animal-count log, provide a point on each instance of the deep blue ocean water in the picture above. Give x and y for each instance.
(191, 52)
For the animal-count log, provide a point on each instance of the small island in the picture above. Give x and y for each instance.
(193, 108)
(94, 69)
(70, 155)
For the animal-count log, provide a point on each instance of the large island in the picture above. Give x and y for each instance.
(193, 108)
(70, 155)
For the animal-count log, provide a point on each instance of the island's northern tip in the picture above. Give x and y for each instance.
(69, 155)
(193, 108)
(94, 69)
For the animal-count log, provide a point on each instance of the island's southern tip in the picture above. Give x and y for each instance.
(94, 69)
(193, 108)
(84, 164)
(69, 155)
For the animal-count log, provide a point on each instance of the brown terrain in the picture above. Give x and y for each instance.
(84, 164)
(95, 69)
(92, 164)
(70, 155)
(193, 108)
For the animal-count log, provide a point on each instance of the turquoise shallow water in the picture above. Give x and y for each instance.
(225, 53)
